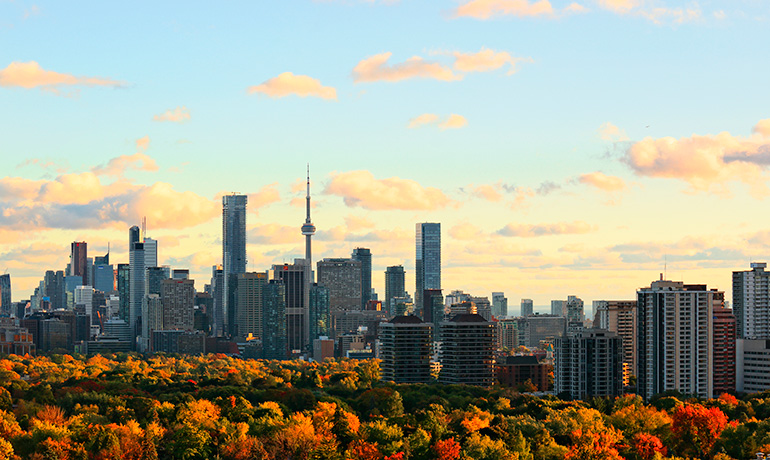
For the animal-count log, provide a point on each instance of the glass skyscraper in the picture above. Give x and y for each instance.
(364, 255)
(427, 258)
(233, 246)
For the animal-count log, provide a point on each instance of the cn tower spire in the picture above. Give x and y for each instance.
(308, 229)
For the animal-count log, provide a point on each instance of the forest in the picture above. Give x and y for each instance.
(216, 407)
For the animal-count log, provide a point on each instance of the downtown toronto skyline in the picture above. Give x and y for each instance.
(565, 147)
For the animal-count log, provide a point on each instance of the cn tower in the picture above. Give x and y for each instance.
(308, 229)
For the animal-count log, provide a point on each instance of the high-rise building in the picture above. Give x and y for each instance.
(508, 334)
(724, 351)
(274, 345)
(752, 365)
(5, 294)
(675, 344)
(535, 330)
(124, 290)
(233, 247)
(483, 307)
(467, 351)
(153, 286)
(84, 298)
(217, 313)
(433, 310)
(137, 269)
(55, 289)
(364, 255)
(527, 307)
(343, 279)
(395, 286)
(559, 308)
(79, 260)
(427, 258)
(150, 252)
(293, 278)
(499, 304)
(406, 345)
(575, 314)
(751, 301)
(320, 313)
(153, 316)
(178, 298)
(249, 296)
(589, 363)
(104, 277)
(619, 316)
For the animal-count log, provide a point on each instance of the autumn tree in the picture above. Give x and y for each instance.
(448, 449)
(592, 445)
(696, 428)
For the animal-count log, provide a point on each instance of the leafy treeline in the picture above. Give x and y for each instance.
(130, 407)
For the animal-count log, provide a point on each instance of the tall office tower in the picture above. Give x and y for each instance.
(674, 338)
(619, 316)
(308, 229)
(467, 351)
(575, 314)
(178, 298)
(406, 345)
(320, 313)
(589, 363)
(153, 286)
(483, 307)
(124, 290)
(751, 301)
(274, 345)
(136, 280)
(248, 304)
(427, 258)
(343, 279)
(559, 308)
(233, 247)
(217, 309)
(104, 277)
(84, 298)
(79, 260)
(537, 330)
(364, 256)
(433, 310)
(154, 316)
(724, 351)
(395, 286)
(150, 252)
(5, 294)
(293, 278)
(499, 305)
(54, 289)
(527, 307)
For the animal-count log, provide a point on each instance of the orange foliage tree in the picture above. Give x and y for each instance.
(696, 428)
(647, 445)
(448, 449)
(589, 445)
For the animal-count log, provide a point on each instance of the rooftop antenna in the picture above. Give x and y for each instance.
(144, 227)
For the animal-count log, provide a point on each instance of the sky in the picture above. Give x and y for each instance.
(566, 148)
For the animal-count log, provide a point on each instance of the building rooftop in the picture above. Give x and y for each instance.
(411, 319)
(467, 318)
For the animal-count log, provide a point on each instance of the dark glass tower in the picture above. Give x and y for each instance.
(395, 286)
(79, 261)
(364, 255)
(320, 315)
(274, 344)
(427, 258)
(233, 246)
(5, 294)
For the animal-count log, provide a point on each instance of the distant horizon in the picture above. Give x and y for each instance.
(567, 148)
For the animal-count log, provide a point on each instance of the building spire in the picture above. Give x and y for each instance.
(308, 229)
(307, 220)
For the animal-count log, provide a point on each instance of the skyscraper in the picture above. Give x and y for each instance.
(124, 290)
(150, 252)
(406, 344)
(343, 279)
(79, 260)
(675, 345)
(136, 279)
(364, 256)
(178, 299)
(5, 294)
(274, 344)
(427, 258)
(724, 351)
(248, 304)
(575, 314)
(395, 286)
(295, 308)
(526, 307)
(499, 304)
(559, 308)
(233, 246)
(589, 363)
(751, 302)
(320, 314)
(217, 314)
(467, 351)
(619, 316)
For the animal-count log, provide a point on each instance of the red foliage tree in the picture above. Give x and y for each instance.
(448, 449)
(589, 445)
(647, 445)
(696, 429)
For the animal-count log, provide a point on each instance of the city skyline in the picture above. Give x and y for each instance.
(565, 152)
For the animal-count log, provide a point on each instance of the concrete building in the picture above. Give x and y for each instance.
(724, 335)
(619, 316)
(292, 276)
(14, 339)
(342, 277)
(249, 295)
(536, 330)
(518, 370)
(507, 334)
(433, 310)
(559, 308)
(675, 341)
(427, 258)
(323, 348)
(575, 314)
(178, 299)
(751, 302)
(499, 305)
(406, 343)
(364, 255)
(527, 307)
(395, 286)
(752, 368)
(589, 363)
(483, 307)
(467, 351)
